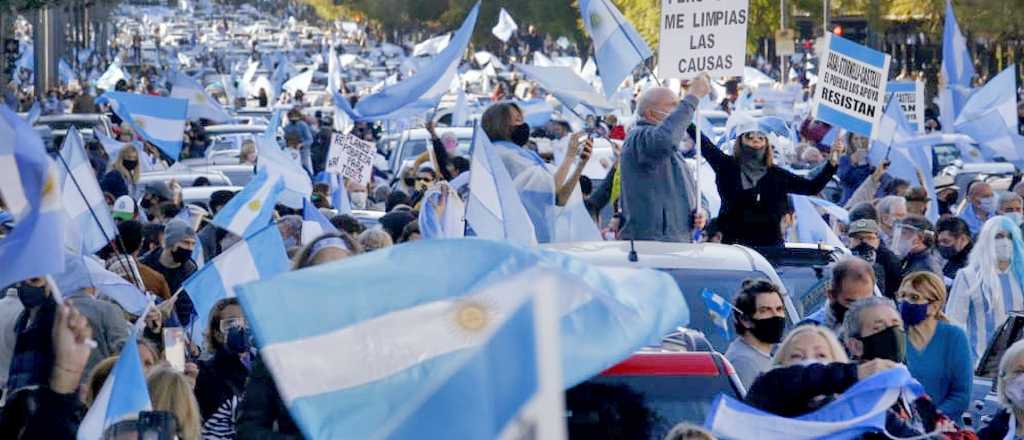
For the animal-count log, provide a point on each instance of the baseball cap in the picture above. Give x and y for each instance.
(863, 225)
(124, 208)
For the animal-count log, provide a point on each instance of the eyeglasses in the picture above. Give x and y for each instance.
(755, 136)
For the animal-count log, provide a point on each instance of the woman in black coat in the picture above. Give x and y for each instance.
(754, 190)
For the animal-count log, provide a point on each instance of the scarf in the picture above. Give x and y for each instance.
(752, 166)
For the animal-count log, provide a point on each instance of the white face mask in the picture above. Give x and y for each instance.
(358, 200)
(1004, 249)
(1017, 217)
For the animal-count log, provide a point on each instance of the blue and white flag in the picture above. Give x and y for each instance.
(244, 85)
(333, 72)
(618, 47)
(536, 112)
(123, 394)
(461, 113)
(523, 346)
(31, 191)
(252, 208)
(719, 310)
(422, 91)
(494, 209)
(505, 27)
(111, 76)
(84, 271)
(443, 215)
(33, 113)
(433, 320)
(277, 163)
(198, 256)
(431, 46)
(314, 224)
(159, 120)
(835, 211)
(861, 409)
(258, 256)
(907, 158)
(957, 67)
(90, 221)
(810, 226)
(990, 117)
(339, 194)
(300, 82)
(566, 86)
(66, 72)
(200, 103)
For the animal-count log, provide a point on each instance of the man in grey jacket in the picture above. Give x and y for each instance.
(658, 190)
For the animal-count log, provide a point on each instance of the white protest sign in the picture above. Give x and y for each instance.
(351, 157)
(702, 36)
(910, 95)
(851, 86)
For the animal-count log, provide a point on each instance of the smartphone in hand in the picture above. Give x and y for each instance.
(174, 348)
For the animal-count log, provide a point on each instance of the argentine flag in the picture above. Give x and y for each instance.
(618, 48)
(494, 209)
(505, 27)
(905, 161)
(158, 120)
(200, 103)
(861, 409)
(433, 322)
(90, 221)
(251, 208)
(261, 255)
(300, 82)
(567, 87)
(84, 271)
(990, 117)
(442, 214)
(276, 163)
(123, 394)
(31, 191)
(111, 76)
(314, 224)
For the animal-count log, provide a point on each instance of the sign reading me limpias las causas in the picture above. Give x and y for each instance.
(702, 36)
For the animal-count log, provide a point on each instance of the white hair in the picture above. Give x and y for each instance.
(1011, 354)
(888, 203)
(852, 322)
(649, 98)
(983, 261)
(1007, 196)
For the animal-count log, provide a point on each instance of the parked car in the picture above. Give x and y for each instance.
(804, 270)
(200, 195)
(984, 402)
(414, 142)
(185, 177)
(716, 268)
(644, 396)
(85, 123)
(237, 174)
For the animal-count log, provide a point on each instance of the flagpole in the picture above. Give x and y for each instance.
(96, 218)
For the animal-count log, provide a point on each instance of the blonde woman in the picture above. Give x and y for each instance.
(123, 175)
(172, 392)
(810, 368)
(938, 354)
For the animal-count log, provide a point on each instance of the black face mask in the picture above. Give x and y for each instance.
(31, 296)
(146, 203)
(890, 344)
(521, 134)
(947, 252)
(409, 181)
(181, 255)
(865, 251)
(769, 329)
(130, 164)
(838, 310)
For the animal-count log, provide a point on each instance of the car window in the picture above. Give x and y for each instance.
(1009, 332)
(724, 283)
(640, 407)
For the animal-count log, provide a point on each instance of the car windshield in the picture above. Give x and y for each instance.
(415, 147)
(1009, 332)
(640, 407)
(725, 284)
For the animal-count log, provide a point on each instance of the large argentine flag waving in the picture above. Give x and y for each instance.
(419, 327)
(158, 120)
(859, 410)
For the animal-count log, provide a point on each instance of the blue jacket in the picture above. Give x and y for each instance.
(851, 176)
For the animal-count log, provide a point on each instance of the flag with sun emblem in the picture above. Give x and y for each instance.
(31, 193)
(159, 120)
(618, 47)
(442, 348)
(253, 207)
(200, 104)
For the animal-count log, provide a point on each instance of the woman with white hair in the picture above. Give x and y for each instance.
(989, 287)
(1010, 388)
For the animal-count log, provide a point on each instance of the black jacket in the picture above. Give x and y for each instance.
(220, 378)
(751, 217)
(791, 391)
(262, 414)
(996, 428)
(920, 262)
(892, 275)
(957, 262)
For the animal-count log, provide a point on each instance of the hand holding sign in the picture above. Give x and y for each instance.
(351, 157)
(700, 86)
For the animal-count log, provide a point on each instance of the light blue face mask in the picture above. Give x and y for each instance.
(988, 205)
(1016, 217)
